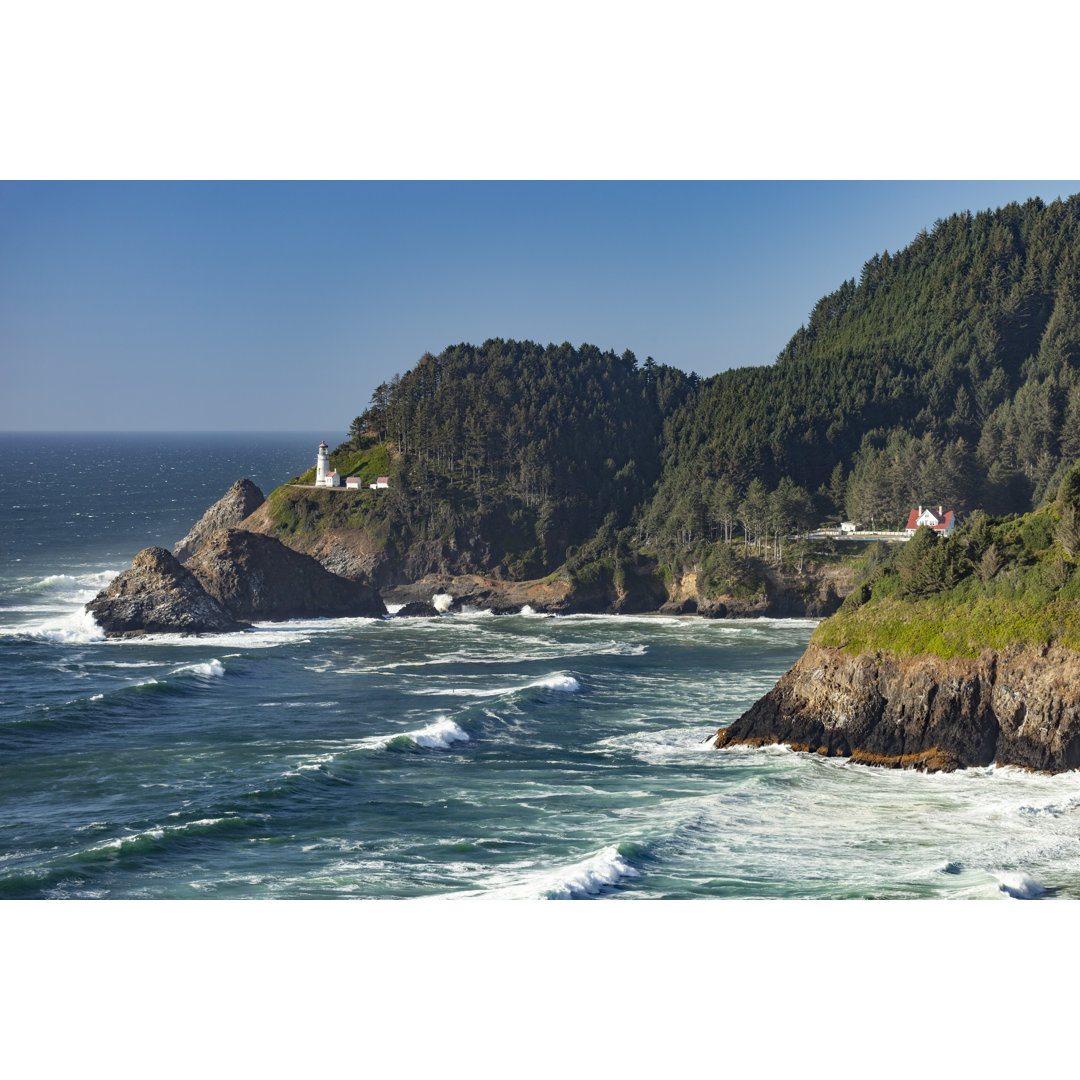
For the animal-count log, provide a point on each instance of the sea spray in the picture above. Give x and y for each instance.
(438, 735)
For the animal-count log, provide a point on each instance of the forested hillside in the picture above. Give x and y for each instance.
(532, 447)
(949, 373)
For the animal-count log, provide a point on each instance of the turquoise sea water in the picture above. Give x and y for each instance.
(472, 756)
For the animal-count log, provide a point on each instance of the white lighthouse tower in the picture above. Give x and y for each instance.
(322, 465)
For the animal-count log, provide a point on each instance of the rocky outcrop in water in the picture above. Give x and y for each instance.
(418, 609)
(241, 500)
(1020, 706)
(234, 578)
(256, 577)
(158, 596)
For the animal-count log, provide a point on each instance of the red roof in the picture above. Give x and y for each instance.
(942, 522)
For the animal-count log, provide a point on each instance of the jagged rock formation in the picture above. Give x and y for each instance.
(241, 500)
(233, 579)
(158, 596)
(1020, 706)
(258, 578)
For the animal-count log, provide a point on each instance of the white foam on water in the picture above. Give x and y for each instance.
(560, 682)
(588, 877)
(526, 609)
(666, 746)
(75, 583)
(439, 735)
(157, 833)
(209, 669)
(393, 609)
(75, 628)
(441, 602)
(566, 683)
(1021, 886)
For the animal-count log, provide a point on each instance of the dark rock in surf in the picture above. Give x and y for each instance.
(417, 609)
(158, 596)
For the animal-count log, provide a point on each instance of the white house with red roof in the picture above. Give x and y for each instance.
(380, 482)
(942, 522)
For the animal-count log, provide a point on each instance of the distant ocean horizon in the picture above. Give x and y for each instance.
(467, 757)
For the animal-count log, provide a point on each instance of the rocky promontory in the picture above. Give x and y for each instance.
(239, 502)
(1019, 706)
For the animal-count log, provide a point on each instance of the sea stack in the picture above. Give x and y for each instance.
(242, 499)
(158, 596)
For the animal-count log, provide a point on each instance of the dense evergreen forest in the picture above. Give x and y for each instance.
(949, 373)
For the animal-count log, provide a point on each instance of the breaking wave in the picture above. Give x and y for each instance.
(591, 876)
(439, 735)
(1022, 886)
(209, 669)
(558, 682)
(78, 627)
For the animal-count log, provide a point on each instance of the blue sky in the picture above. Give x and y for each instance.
(276, 305)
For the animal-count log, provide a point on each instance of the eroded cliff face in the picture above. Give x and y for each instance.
(258, 578)
(241, 500)
(1015, 707)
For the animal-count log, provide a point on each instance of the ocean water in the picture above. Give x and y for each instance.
(467, 757)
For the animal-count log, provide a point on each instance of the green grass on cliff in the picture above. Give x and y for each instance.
(993, 584)
(945, 628)
(369, 462)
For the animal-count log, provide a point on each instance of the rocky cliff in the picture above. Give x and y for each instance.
(158, 596)
(241, 500)
(1017, 706)
(312, 522)
(256, 577)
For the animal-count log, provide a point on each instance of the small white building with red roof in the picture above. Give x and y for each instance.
(942, 522)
